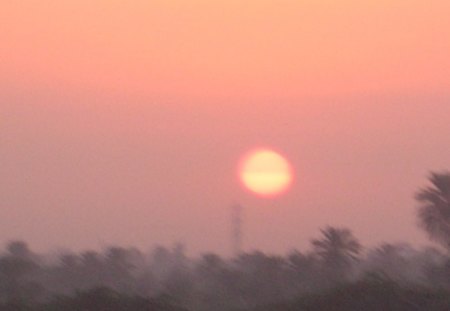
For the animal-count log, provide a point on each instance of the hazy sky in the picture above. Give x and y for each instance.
(124, 121)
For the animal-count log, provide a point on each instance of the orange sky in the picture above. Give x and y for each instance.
(222, 48)
(123, 121)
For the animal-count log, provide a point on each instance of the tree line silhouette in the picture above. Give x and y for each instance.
(337, 273)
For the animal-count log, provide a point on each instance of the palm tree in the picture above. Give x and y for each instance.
(337, 249)
(434, 208)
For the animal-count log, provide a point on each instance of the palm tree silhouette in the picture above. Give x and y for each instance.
(337, 248)
(434, 208)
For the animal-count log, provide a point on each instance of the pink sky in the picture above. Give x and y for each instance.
(124, 122)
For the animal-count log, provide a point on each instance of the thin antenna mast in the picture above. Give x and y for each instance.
(236, 229)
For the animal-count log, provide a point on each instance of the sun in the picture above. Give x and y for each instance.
(265, 172)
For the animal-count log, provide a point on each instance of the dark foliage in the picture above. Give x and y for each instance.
(98, 299)
(434, 208)
(370, 294)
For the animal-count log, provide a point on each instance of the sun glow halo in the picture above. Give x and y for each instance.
(265, 172)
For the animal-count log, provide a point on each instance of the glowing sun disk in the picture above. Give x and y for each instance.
(265, 172)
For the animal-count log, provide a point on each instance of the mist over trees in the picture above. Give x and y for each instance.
(335, 273)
